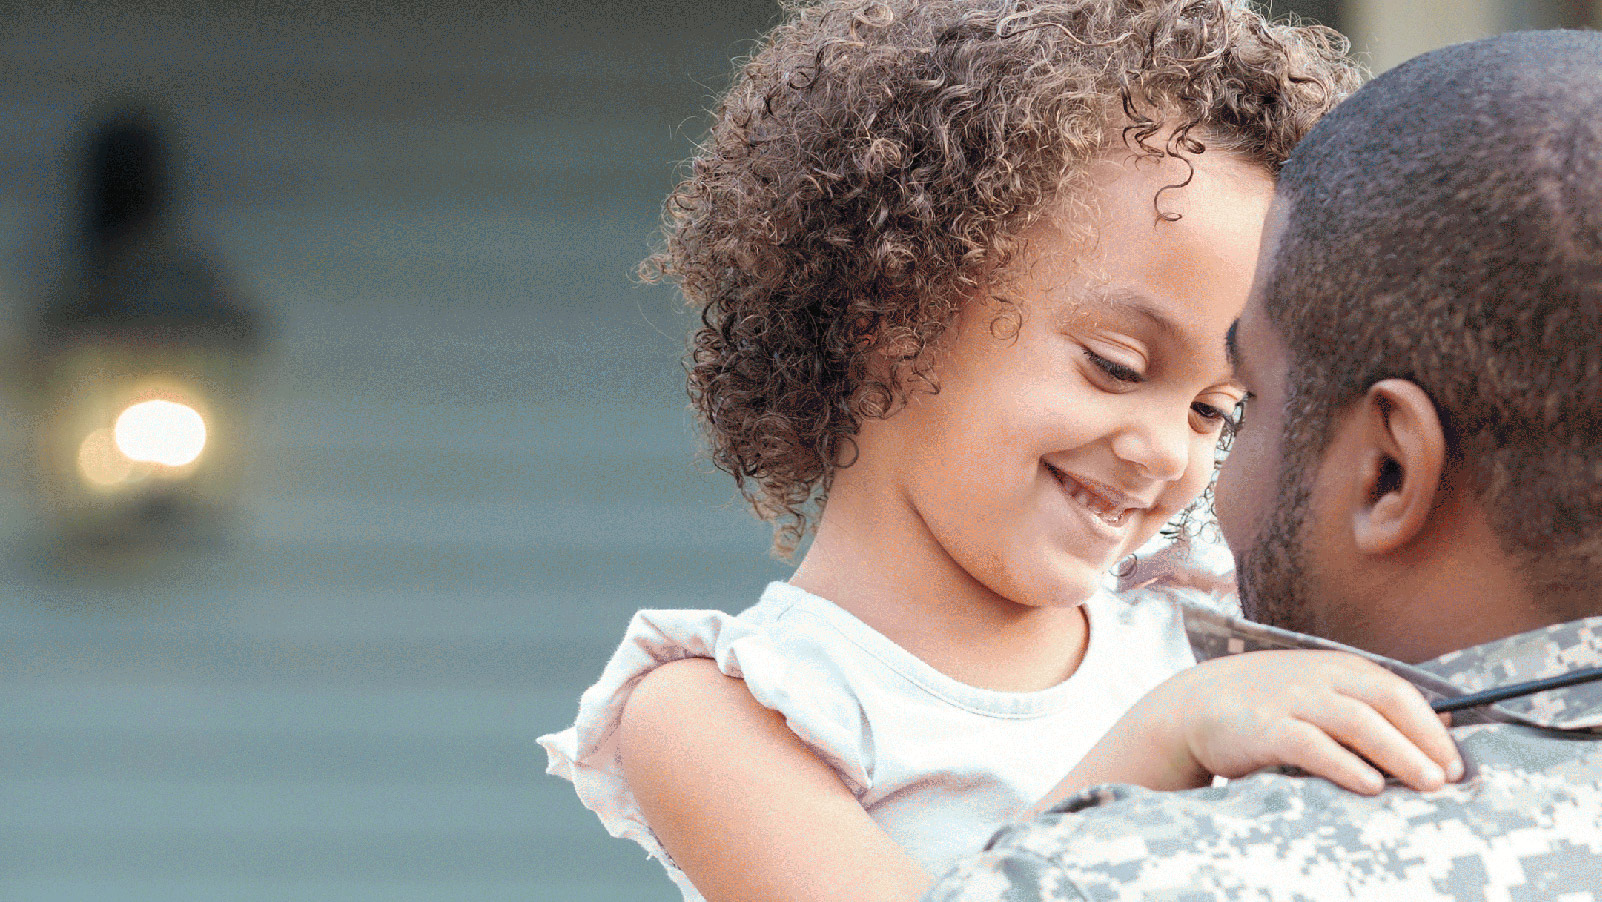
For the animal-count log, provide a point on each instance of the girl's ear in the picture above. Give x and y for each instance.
(1399, 454)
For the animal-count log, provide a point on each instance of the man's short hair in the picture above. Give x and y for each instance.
(1445, 226)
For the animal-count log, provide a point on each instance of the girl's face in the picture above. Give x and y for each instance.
(1053, 450)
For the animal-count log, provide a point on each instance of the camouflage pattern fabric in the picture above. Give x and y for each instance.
(1525, 824)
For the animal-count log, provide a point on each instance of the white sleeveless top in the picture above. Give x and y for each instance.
(938, 764)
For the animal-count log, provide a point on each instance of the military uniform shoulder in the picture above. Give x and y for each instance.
(1274, 835)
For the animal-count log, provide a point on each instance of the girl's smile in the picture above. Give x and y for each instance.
(1105, 506)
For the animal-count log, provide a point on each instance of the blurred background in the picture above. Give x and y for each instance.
(443, 451)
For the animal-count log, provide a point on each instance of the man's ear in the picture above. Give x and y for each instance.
(1400, 460)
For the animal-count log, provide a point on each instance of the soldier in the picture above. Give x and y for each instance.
(1420, 481)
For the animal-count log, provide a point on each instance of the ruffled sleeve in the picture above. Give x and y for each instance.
(787, 673)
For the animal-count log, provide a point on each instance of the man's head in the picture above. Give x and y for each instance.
(1425, 338)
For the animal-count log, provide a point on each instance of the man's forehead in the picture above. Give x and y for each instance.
(1274, 225)
(1254, 346)
(1273, 229)
(1243, 341)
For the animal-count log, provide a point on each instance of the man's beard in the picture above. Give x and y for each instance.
(1273, 579)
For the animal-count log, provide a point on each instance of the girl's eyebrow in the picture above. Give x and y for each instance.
(1130, 301)
(1232, 345)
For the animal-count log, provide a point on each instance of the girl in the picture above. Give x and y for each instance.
(964, 270)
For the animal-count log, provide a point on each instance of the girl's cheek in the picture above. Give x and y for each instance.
(1197, 473)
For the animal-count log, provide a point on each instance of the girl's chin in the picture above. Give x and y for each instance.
(1069, 584)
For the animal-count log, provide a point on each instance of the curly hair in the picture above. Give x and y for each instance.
(875, 162)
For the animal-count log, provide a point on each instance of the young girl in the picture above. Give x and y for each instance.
(964, 270)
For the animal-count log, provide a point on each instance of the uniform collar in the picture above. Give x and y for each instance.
(1544, 652)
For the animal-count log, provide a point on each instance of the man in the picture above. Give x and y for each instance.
(1420, 478)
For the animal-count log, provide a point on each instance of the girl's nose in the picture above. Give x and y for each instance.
(1160, 448)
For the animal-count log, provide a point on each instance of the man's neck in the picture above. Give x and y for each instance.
(1454, 590)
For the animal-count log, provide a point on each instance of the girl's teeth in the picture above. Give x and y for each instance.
(1110, 516)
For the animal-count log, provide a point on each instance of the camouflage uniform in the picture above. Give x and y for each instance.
(1524, 824)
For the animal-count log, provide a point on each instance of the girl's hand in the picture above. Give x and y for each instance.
(1322, 711)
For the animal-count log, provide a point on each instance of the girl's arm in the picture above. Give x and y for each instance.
(1322, 711)
(745, 809)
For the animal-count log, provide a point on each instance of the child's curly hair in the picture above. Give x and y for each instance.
(875, 162)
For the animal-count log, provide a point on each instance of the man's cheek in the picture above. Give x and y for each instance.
(1244, 485)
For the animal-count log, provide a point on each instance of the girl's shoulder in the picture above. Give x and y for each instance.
(786, 650)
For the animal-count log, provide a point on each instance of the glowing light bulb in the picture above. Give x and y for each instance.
(161, 432)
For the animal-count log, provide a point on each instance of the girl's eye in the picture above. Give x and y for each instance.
(1115, 370)
(1229, 422)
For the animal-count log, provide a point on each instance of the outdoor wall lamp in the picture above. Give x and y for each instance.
(139, 361)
